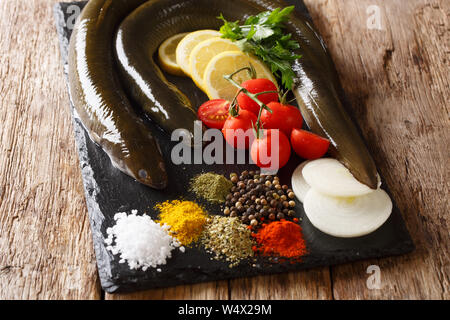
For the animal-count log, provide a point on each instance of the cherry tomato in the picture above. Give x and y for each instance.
(261, 151)
(284, 117)
(240, 139)
(256, 86)
(308, 145)
(213, 113)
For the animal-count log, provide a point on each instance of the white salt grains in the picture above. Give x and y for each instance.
(140, 241)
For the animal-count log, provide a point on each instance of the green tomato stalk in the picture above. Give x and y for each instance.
(234, 106)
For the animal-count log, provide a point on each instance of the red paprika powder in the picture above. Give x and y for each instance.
(282, 238)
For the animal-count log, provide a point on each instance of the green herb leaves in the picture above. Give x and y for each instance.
(263, 36)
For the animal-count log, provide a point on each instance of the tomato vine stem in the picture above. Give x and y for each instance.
(234, 106)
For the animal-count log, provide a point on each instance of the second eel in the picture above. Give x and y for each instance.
(316, 86)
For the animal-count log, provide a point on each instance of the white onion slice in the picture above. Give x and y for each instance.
(347, 217)
(299, 184)
(332, 178)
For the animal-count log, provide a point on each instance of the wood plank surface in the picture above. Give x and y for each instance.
(396, 79)
(46, 249)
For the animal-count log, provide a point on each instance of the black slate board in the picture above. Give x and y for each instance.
(109, 191)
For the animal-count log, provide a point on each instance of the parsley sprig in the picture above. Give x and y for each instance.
(263, 36)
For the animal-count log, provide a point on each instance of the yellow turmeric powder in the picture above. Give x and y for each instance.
(185, 218)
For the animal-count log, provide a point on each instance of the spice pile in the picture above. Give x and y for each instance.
(259, 220)
(210, 186)
(280, 238)
(185, 218)
(229, 239)
(256, 197)
(140, 241)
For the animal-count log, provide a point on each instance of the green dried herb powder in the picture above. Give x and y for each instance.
(210, 186)
(228, 239)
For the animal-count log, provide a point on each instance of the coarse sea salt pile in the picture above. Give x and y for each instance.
(140, 241)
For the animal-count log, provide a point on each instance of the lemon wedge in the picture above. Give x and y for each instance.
(203, 53)
(216, 87)
(188, 43)
(166, 54)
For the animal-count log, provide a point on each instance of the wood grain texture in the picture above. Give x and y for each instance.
(217, 290)
(305, 285)
(397, 81)
(46, 250)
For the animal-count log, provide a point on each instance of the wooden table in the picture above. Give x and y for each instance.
(395, 70)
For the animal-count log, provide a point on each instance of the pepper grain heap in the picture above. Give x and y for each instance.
(140, 241)
(229, 239)
(256, 197)
(185, 218)
(210, 186)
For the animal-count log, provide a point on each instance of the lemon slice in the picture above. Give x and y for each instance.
(203, 53)
(216, 87)
(166, 54)
(188, 43)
